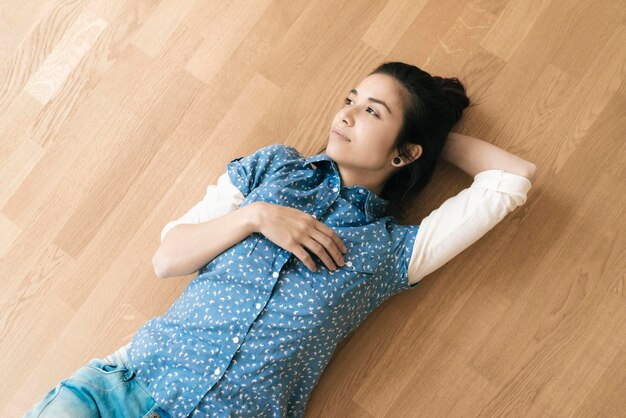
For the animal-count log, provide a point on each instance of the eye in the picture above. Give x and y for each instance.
(373, 111)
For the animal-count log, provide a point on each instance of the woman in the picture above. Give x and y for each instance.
(293, 253)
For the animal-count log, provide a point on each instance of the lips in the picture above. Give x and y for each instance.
(341, 134)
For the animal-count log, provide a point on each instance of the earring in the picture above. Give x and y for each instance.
(397, 160)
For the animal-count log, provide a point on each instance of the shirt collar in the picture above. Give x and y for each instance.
(370, 203)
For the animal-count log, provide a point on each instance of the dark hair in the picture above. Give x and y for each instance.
(432, 106)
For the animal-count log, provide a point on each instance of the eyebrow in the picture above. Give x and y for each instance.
(372, 99)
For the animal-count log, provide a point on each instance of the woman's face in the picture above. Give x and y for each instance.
(370, 118)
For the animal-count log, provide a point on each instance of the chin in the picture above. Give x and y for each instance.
(331, 150)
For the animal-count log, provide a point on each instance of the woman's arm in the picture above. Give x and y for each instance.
(501, 183)
(187, 247)
(462, 219)
(473, 155)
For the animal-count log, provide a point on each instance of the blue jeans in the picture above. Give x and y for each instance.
(101, 388)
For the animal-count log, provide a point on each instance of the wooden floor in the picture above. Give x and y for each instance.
(116, 115)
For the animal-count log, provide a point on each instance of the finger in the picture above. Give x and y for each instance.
(320, 251)
(304, 256)
(330, 245)
(329, 232)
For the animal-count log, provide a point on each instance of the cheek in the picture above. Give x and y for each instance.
(369, 128)
(377, 133)
(389, 133)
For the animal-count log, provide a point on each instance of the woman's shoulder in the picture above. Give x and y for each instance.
(281, 150)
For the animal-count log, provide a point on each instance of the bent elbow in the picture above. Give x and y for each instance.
(531, 172)
(160, 267)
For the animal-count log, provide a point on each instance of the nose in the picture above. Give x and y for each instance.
(346, 116)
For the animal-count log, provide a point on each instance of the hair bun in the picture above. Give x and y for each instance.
(454, 93)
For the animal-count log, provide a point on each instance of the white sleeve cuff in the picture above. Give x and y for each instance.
(501, 181)
(218, 200)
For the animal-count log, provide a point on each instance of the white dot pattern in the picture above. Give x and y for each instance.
(252, 333)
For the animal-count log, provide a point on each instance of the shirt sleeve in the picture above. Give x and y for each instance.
(218, 200)
(247, 173)
(403, 238)
(463, 219)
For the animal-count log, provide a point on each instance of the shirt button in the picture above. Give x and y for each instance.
(275, 274)
(314, 216)
(349, 263)
(361, 191)
(258, 306)
(335, 189)
(216, 372)
(235, 340)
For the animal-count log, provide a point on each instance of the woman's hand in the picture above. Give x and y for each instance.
(293, 230)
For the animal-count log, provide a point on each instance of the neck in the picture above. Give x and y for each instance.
(352, 177)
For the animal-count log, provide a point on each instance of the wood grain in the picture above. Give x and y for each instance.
(116, 115)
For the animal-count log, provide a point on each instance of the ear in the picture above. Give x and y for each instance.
(416, 151)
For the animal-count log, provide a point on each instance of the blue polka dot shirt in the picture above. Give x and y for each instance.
(252, 333)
